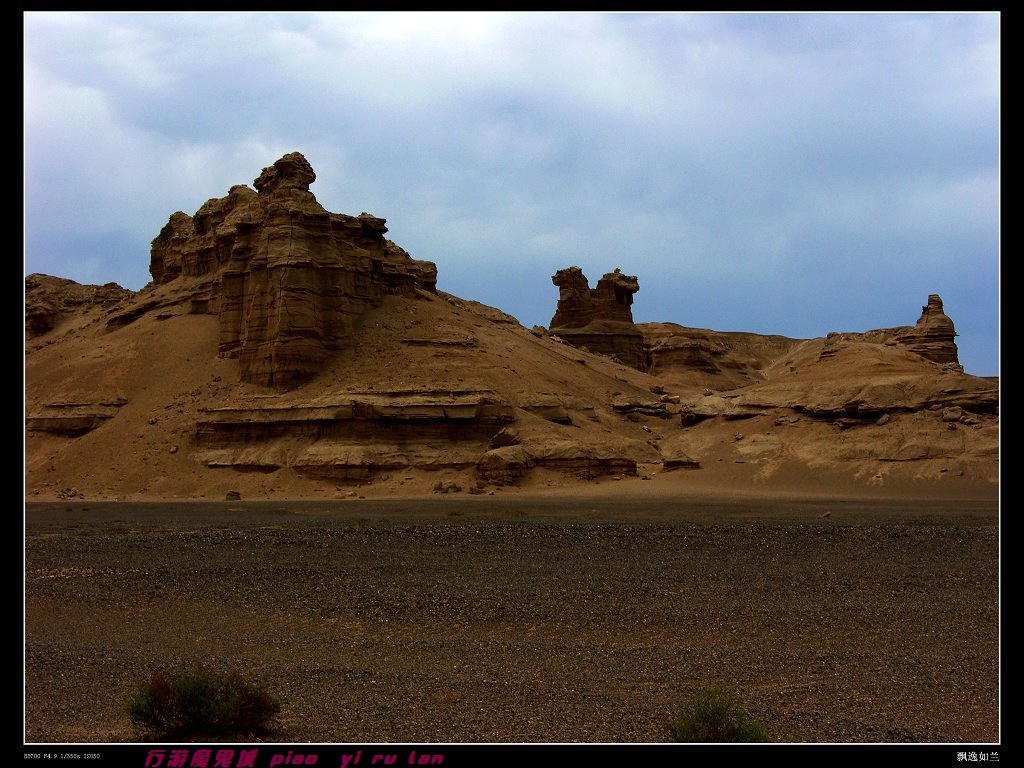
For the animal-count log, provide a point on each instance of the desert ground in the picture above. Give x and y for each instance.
(584, 616)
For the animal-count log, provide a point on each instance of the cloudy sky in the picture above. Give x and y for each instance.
(776, 173)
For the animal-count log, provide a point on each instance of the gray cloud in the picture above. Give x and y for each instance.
(780, 173)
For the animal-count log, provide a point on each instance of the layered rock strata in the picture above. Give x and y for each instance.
(354, 439)
(599, 319)
(48, 300)
(71, 419)
(469, 416)
(933, 336)
(289, 279)
(362, 437)
(701, 357)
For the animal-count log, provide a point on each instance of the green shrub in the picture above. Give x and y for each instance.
(201, 702)
(714, 716)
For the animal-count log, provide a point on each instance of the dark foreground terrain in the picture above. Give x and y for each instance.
(523, 620)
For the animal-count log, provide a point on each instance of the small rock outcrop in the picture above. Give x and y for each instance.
(933, 336)
(49, 299)
(287, 278)
(599, 319)
(700, 357)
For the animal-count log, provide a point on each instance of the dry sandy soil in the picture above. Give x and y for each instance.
(524, 618)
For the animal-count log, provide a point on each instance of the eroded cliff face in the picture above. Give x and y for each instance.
(289, 280)
(599, 319)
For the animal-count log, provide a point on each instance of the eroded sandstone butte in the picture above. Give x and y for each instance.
(599, 319)
(287, 279)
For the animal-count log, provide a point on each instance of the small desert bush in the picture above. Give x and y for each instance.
(715, 716)
(201, 702)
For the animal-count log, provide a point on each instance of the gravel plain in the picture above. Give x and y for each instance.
(523, 620)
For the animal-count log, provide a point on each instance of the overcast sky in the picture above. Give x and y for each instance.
(776, 173)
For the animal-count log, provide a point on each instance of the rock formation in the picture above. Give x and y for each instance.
(932, 337)
(50, 299)
(579, 304)
(599, 319)
(290, 280)
(726, 360)
(378, 379)
(698, 357)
